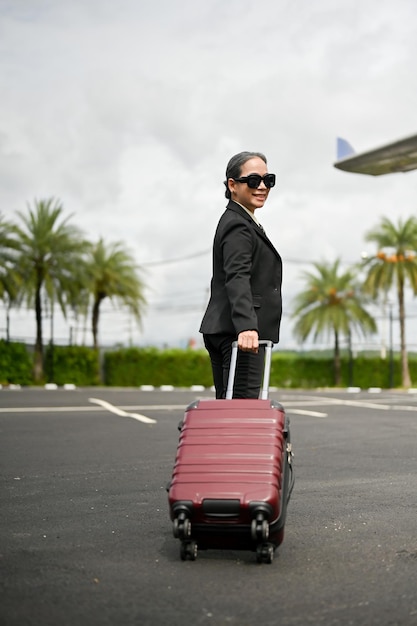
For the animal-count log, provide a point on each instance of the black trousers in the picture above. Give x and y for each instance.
(249, 367)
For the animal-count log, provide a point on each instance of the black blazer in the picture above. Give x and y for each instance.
(247, 277)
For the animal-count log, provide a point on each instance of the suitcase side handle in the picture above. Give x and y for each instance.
(267, 369)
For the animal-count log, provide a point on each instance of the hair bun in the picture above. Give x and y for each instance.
(227, 192)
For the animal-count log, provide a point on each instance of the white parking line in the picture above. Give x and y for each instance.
(80, 409)
(47, 409)
(291, 403)
(366, 404)
(305, 412)
(117, 411)
(378, 407)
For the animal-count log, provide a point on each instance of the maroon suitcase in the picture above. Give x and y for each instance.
(232, 477)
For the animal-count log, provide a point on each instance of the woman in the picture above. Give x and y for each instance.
(245, 300)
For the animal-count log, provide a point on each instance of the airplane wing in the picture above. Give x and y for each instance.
(400, 156)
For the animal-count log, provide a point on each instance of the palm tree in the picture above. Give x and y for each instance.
(50, 251)
(331, 304)
(9, 280)
(112, 273)
(8, 246)
(10, 292)
(6, 229)
(394, 264)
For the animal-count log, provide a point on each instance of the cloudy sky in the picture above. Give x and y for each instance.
(128, 112)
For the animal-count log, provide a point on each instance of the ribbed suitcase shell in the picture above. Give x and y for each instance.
(231, 467)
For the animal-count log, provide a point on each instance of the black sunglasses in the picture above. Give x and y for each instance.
(254, 180)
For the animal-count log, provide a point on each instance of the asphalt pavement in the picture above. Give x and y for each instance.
(86, 539)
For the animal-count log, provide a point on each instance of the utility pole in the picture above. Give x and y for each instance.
(391, 348)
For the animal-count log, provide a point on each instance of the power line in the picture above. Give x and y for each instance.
(207, 251)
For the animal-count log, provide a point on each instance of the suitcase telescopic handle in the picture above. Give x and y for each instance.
(267, 369)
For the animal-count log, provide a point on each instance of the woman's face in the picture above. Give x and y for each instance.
(250, 198)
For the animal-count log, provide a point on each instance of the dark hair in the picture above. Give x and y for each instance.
(234, 167)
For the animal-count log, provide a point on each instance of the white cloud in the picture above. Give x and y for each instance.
(129, 111)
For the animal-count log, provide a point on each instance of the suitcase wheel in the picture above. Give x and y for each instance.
(181, 527)
(259, 529)
(265, 553)
(188, 550)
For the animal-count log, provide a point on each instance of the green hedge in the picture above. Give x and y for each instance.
(292, 371)
(182, 368)
(149, 366)
(133, 367)
(375, 372)
(78, 365)
(15, 364)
